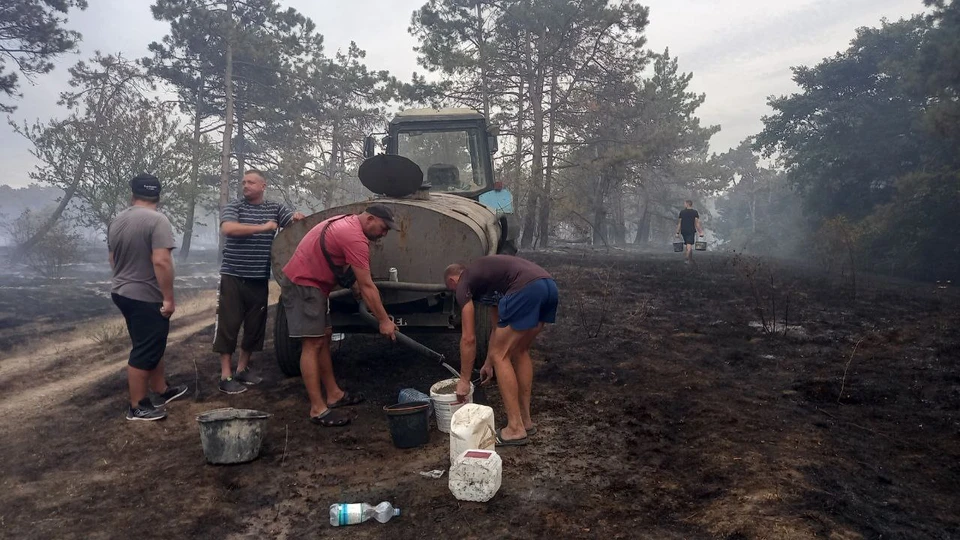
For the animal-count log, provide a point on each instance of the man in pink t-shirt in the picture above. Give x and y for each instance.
(331, 250)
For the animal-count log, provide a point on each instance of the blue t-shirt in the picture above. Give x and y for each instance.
(249, 256)
(500, 202)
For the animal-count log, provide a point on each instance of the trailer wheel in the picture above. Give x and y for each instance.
(287, 348)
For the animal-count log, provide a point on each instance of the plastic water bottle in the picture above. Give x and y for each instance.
(353, 513)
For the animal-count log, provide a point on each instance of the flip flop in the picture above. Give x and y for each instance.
(510, 442)
(330, 418)
(531, 431)
(347, 400)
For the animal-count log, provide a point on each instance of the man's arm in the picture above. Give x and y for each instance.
(699, 228)
(679, 221)
(113, 263)
(163, 268)
(371, 296)
(233, 228)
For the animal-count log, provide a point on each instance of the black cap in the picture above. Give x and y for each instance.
(382, 212)
(145, 185)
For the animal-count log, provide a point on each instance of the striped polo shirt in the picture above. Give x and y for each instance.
(249, 256)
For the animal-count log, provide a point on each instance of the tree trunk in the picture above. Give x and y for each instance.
(619, 228)
(481, 50)
(333, 164)
(536, 177)
(643, 227)
(194, 177)
(228, 126)
(544, 225)
(518, 138)
(240, 152)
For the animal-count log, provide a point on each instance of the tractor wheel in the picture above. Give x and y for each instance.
(286, 347)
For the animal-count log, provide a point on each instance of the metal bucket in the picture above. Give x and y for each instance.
(700, 245)
(232, 435)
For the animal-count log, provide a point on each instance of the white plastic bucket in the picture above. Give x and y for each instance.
(444, 405)
(476, 475)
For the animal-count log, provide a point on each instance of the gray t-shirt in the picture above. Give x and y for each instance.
(132, 237)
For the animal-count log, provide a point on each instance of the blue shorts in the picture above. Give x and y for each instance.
(535, 303)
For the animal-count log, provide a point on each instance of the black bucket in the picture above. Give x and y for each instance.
(409, 423)
(677, 247)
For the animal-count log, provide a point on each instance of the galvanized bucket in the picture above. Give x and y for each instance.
(232, 435)
(700, 245)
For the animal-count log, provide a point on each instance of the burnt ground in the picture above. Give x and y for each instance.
(666, 410)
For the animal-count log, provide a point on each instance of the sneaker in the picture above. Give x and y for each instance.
(172, 393)
(145, 411)
(232, 386)
(247, 377)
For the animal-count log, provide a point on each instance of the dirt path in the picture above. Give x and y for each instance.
(666, 411)
(31, 401)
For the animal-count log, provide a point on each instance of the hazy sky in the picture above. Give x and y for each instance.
(740, 51)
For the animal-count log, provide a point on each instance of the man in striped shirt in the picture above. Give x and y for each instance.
(249, 225)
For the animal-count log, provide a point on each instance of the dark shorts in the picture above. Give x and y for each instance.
(307, 311)
(689, 238)
(535, 303)
(148, 331)
(242, 303)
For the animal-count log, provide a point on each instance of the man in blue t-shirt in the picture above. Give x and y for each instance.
(249, 225)
(688, 226)
(500, 200)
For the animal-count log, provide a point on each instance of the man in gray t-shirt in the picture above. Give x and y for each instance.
(140, 240)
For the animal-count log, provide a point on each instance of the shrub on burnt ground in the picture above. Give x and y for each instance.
(108, 334)
(59, 247)
(600, 302)
(769, 295)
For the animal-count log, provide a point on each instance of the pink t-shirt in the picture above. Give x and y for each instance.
(345, 243)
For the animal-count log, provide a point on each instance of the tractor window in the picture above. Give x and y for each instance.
(450, 160)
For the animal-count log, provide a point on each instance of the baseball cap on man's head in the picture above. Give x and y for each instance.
(145, 185)
(382, 212)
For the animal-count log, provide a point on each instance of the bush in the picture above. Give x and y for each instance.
(58, 248)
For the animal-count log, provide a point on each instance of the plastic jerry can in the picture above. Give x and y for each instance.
(475, 475)
(472, 427)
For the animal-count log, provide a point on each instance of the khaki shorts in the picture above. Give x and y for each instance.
(307, 310)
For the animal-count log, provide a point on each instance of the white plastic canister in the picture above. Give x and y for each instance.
(446, 404)
(475, 475)
(472, 427)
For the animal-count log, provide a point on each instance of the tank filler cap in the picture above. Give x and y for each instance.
(390, 175)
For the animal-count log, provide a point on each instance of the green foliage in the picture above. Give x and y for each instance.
(871, 143)
(58, 248)
(31, 36)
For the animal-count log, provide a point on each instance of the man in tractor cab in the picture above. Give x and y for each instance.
(530, 300)
(335, 252)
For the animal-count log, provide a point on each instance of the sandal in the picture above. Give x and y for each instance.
(349, 398)
(510, 442)
(330, 418)
(531, 431)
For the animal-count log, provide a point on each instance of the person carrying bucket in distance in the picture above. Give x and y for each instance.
(335, 252)
(529, 301)
(688, 226)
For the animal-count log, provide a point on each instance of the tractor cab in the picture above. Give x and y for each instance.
(453, 148)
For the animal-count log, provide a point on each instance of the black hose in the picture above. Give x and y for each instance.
(402, 338)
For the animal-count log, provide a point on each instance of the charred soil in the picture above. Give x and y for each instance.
(671, 403)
